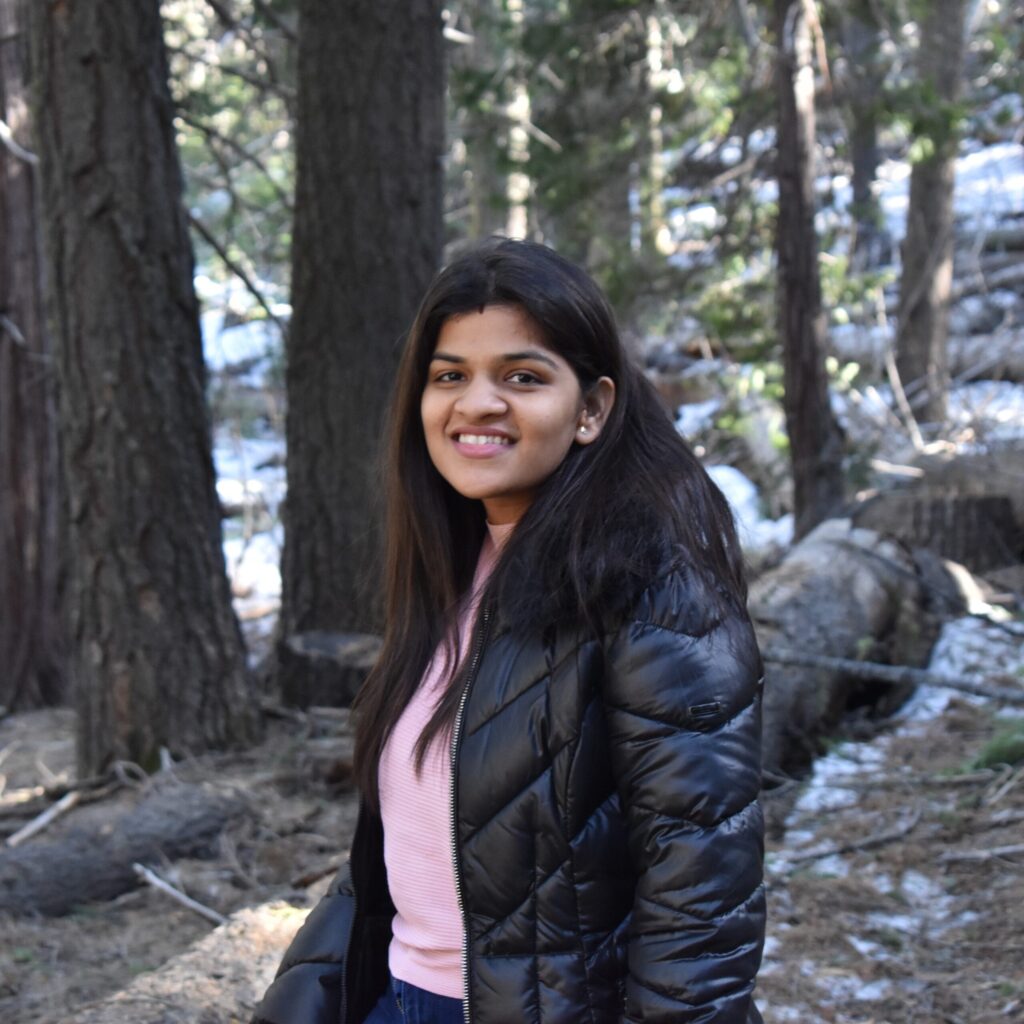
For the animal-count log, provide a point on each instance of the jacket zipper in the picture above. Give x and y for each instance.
(456, 733)
(343, 1016)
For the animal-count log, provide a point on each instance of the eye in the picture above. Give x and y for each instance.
(447, 377)
(524, 377)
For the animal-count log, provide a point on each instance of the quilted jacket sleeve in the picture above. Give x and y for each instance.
(307, 988)
(683, 703)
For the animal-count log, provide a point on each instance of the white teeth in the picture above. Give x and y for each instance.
(481, 439)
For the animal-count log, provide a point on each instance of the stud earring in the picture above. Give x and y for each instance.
(583, 430)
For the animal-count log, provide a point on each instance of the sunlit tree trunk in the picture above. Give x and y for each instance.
(31, 639)
(927, 274)
(483, 128)
(157, 657)
(814, 439)
(654, 233)
(367, 240)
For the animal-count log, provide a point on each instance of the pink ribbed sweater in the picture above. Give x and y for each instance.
(426, 944)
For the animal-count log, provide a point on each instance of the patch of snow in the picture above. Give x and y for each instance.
(990, 183)
(882, 882)
(968, 646)
(250, 470)
(919, 889)
(785, 1014)
(995, 408)
(823, 790)
(874, 991)
(755, 531)
(253, 564)
(693, 417)
(866, 947)
(989, 187)
(256, 344)
(909, 924)
(833, 867)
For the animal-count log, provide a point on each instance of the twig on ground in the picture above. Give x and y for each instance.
(44, 820)
(273, 710)
(895, 675)
(868, 843)
(153, 879)
(980, 855)
(996, 792)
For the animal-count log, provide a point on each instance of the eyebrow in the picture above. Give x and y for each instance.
(508, 357)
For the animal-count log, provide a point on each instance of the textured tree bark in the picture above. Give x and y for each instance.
(927, 257)
(367, 240)
(157, 657)
(814, 441)
(32, 647)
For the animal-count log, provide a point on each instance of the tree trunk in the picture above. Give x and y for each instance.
(31, 638)
(479, 93)
(927, 255)
(157, 658)
(861, 42)
(596, 116)
(814, 441)
(367, 240)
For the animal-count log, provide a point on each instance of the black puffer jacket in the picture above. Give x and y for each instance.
(609, 842)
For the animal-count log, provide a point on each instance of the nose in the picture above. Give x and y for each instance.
(480, 399)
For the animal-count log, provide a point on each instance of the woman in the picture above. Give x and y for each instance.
(558, 751)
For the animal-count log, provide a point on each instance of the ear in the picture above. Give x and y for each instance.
(597, 405)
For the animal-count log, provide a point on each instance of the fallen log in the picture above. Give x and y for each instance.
(895, 675)
(218, 980)
(840, 592)
(53, 877)
(998, 355)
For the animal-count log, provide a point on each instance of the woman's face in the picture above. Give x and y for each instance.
(501, 410)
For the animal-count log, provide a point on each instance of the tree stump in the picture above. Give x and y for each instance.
(319, 667)
(976, 530)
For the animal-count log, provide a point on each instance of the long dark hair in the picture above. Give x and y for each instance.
(600, 528)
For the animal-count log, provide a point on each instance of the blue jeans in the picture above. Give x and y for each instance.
(403, 1003)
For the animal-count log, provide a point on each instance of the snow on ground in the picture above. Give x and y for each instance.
(994, 408)
(757, 533)
(886, 919)
(989, 189)
(251, 480)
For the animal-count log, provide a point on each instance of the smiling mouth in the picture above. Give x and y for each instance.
(482, 439)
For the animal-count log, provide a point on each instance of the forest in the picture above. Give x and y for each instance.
(217, 218)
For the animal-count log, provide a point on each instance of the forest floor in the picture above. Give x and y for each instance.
(906, 912)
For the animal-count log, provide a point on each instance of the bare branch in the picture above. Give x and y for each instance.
(153, 879)
(895, 675)
(868, 843)
(44, 820)
(236, 147)
(239, 271)
(977, 855)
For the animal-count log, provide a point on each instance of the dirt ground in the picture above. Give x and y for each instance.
(874, 920)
